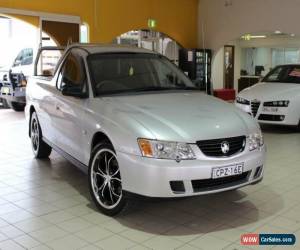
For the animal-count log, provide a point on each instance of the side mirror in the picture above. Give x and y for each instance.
(68, 90)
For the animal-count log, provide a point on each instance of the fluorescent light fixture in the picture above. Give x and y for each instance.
(249, 37)
(292, 35)
(261, 36)
(277, 32)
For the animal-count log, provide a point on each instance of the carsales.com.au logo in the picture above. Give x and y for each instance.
(268, 239)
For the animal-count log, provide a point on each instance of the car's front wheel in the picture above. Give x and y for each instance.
(40, 148)
(105, 180)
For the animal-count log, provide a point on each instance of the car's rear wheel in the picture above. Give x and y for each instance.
(40, 148)
(17, 106)
(105, 180)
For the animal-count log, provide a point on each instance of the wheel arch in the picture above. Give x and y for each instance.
(99, 137)
(31, 110)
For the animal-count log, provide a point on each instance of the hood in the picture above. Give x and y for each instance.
(183, 116)
(270, 91)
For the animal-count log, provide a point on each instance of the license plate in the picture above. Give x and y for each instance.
(5, 90)
(270, 109)
(227, 171)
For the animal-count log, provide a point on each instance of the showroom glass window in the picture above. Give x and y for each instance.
(120, 73)
(72, 73)
(282, 56)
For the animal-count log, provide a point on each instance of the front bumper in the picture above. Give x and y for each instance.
(269, 115)
(153, 177)
(13, 95)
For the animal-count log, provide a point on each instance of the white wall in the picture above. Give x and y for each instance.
(218, 66)
(217, 71)
(226, 23)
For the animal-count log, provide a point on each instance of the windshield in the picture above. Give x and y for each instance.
(135, 72)
(284, 74)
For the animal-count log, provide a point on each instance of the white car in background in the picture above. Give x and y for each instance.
(275, 100)
(13, 79)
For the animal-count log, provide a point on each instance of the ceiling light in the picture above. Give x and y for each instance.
(248, 37)
(261, 36)
(277, 32)
(292, 35)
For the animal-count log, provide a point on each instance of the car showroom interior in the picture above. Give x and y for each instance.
(149, 124)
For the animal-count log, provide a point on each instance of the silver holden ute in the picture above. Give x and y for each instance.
(139, 127)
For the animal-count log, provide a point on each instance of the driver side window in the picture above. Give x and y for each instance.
(72, 74)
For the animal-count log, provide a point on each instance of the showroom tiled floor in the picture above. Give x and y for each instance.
(46, 205)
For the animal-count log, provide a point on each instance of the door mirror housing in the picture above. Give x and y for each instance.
(78, 92)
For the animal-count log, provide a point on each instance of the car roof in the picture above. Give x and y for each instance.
(107, 48)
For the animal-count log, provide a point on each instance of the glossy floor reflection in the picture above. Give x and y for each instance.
(46, 205)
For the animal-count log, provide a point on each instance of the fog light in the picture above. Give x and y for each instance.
(177, 186)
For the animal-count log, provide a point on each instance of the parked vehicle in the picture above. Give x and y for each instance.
(14, 81)
(137, 125)
(3, 101)
(275, 100)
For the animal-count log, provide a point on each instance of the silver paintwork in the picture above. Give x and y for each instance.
(186, 116)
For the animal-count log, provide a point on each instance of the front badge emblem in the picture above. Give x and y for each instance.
(225, 147)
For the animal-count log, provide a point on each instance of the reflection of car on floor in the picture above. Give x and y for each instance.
(138, 125)
(276, 100)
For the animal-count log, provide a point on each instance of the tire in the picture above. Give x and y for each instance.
(40, 148)
(105, 183)
(298, 127)
(17, 106)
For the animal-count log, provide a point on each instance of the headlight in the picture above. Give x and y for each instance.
(277, 104)
(256, 140)
(166, 150)
(242, 101)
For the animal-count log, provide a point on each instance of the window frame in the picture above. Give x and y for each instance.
(83, 71)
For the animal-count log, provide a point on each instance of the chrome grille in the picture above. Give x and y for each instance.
(254, 107)
(213, 148)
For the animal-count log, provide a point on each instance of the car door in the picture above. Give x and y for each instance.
(69, 117)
